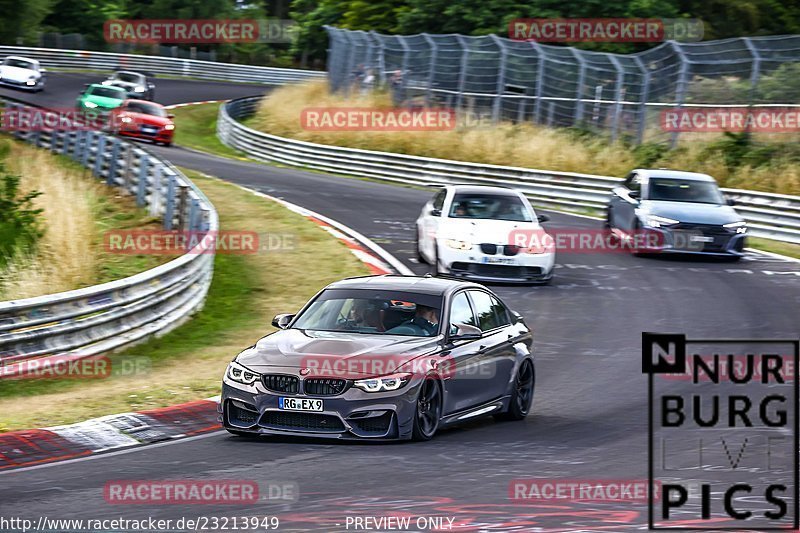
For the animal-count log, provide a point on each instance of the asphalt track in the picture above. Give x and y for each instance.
(590, 411)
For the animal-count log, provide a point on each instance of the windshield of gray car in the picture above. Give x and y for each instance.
(369, 311)
(678, 190)
(489, 206)
(107, 92)
(128, 78)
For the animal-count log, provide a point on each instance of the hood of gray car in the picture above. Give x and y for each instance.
(295, 348)
(689, 212)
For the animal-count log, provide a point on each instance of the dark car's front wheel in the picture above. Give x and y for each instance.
(522, 396)
(428, 410)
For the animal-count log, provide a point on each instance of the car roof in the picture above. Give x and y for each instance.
(128, 72)
(485, 189)
(674, 174)
(112, 87)
(419, 284)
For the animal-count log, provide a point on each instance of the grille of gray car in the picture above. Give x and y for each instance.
(301, 421)
(280, 383)
(324, 386)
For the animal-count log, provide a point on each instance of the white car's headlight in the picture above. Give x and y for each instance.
(90, 105)
(740, 226)
(383, 383)
(138, 89)
(241, 374)
(656, 221)
(457, 244)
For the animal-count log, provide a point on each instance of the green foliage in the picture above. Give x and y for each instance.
(19, 223)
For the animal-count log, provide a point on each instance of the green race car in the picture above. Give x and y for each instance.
(102, 98)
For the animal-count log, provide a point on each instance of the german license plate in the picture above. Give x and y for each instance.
(148, 129)
(498, 261)
(701, 238)
(300, 404)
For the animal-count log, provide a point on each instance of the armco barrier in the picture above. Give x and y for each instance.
(102, 318)
(774, 216)
(52, 58)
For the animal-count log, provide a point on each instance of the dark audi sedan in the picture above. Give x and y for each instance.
(383, 358)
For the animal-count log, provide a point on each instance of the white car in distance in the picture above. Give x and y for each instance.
(22, 73)
(471, 231)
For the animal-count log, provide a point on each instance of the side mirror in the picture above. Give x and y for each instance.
(543, 218)
(516, 318)
(435, 212)
(731, 201)
(634, 194)
(282, 321)
(464, 332)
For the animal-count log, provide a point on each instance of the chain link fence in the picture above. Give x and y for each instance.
(495, 79)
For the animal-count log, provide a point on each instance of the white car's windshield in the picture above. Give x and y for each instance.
(677, 190)
(128, 77)
(490, 206)
(19, 63)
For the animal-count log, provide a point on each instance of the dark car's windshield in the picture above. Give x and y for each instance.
(373, 312)
(127, 77)
(19, 63)
(678, 190)
(146, 109)
(489, 206)
(107, 92)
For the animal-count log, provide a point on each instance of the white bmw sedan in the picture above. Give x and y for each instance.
(22, 73)
(485, 233)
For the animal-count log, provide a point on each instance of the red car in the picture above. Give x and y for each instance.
(143, 120)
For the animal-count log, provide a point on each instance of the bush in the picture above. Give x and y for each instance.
(20, 227)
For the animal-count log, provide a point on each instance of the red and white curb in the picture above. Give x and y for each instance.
(38, 446)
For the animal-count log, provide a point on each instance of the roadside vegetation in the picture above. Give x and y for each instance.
(735, 160)
(197, 129)
(188, 363)
(53, 217)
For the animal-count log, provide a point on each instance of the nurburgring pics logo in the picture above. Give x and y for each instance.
(732, 119)
(605, 30)
(197, 31)
(723, 446)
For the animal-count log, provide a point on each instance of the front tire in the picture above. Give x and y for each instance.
(522, 396)
(428, 410)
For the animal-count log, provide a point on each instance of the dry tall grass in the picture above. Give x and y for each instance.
(522, 145)
(64, 259)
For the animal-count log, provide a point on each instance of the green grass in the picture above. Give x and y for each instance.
(776, 247)
(187, 363)
(196, 128)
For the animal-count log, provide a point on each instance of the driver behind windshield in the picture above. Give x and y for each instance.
(424, 324)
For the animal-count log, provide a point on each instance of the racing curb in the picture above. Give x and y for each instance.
(31, 447)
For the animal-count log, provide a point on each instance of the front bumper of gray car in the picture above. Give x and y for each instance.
(696, 239)
(352, 415)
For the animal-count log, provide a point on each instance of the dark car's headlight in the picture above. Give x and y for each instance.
(241, 374)
(656, 221)
(738, 227)
(391, 382)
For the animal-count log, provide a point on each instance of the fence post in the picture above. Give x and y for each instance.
(579, 92)
(755, 71)
(349, 64)
(381, 60)
(462, 79)
(501, 79)
(617, 96)
(431, 66)
(643, 103)
(537, 106)
(680, 90)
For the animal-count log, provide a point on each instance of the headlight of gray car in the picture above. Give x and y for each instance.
(383, 383)
(738, 227)
(241, 374)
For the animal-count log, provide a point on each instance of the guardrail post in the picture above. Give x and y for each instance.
(183, 198)
(193, 212)
(87, 148)
(112, 165)
(100, 155)
(127, 172)
(169, 210)
(155, 190)
(141, 187)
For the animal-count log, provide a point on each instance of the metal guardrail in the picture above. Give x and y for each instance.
(98, 319)
(773, 216)
(51, 58)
